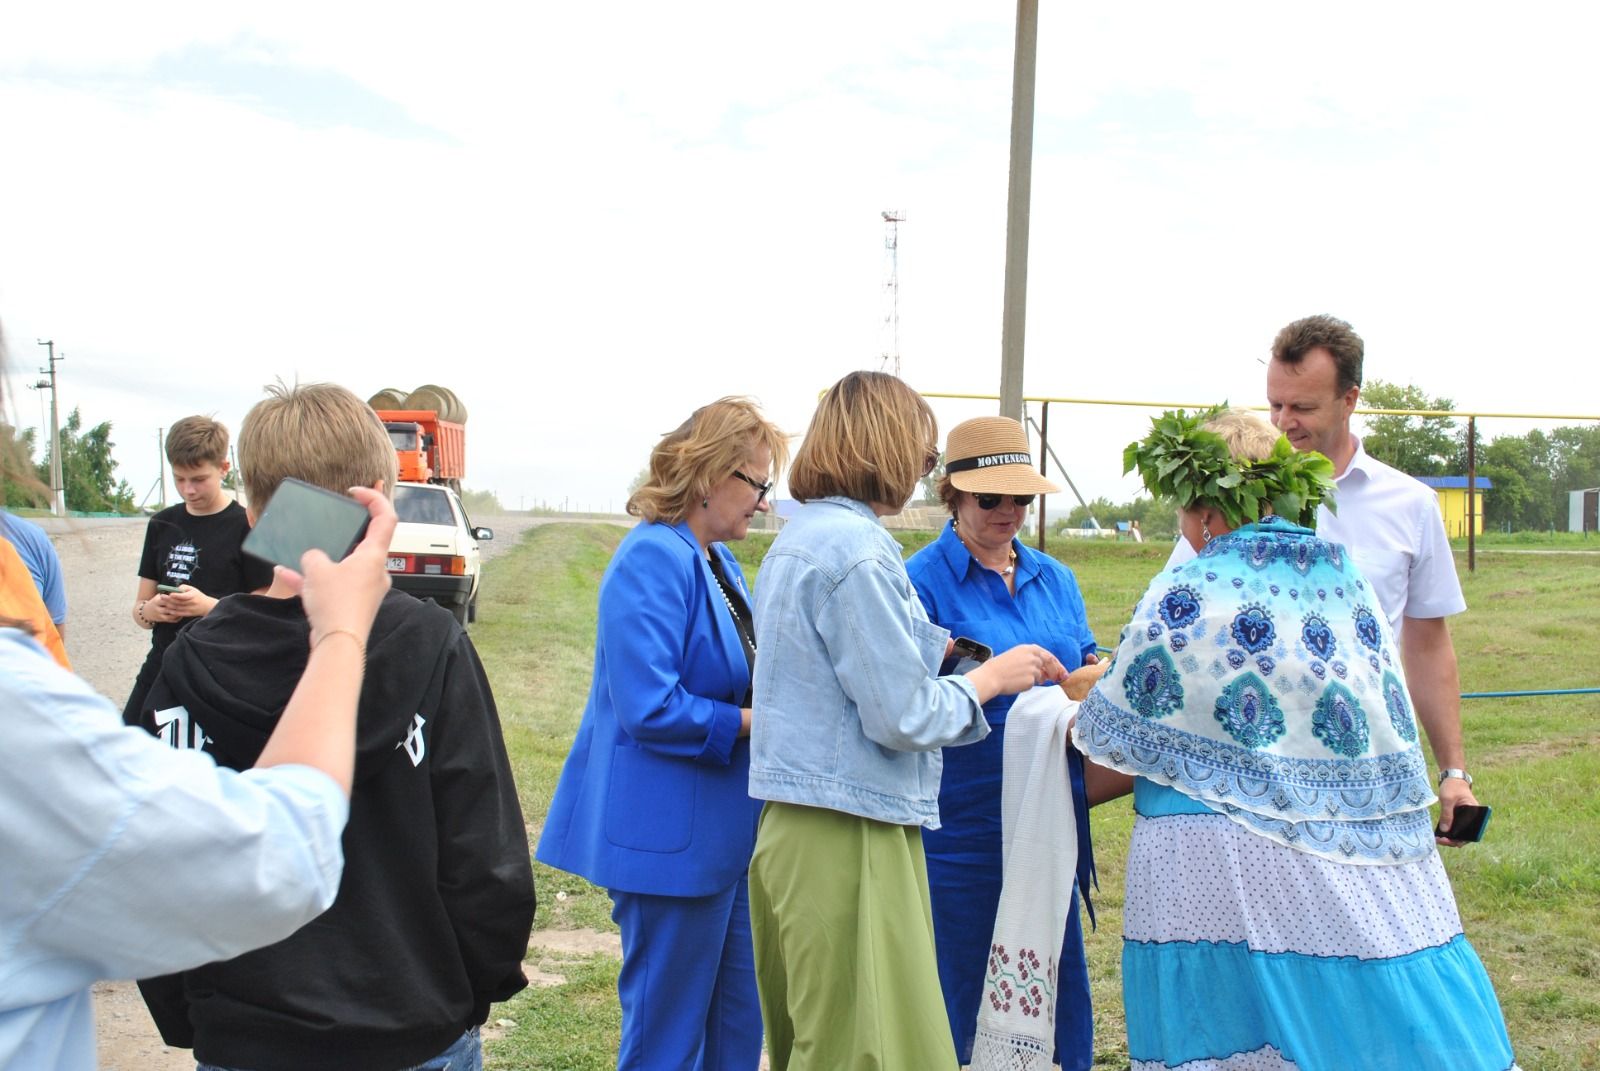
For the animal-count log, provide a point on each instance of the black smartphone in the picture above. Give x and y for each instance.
(967, 656)
(302, 516)
(1468, 823)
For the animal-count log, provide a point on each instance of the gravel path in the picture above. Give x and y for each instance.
(100, 560)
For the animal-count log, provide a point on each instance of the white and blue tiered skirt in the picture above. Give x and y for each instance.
(1241, 954)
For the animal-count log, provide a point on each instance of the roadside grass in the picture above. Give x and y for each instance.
(1529, 894)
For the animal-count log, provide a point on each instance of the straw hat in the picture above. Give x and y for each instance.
(990, 454)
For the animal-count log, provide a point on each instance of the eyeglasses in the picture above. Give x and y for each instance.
(761, 488)
(991, 501)
(930, 461)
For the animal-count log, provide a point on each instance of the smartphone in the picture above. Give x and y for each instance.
(168, 589)
(967, 656)
(302, 516)
(1468, 823)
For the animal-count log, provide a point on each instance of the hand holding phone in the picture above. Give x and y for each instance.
(186, 601)
(965, 655)
(1467, 824)
(344, 597)
(304, 517)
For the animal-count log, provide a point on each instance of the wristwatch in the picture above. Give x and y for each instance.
(1451, 771)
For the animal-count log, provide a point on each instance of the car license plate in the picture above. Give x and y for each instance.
(397, 565)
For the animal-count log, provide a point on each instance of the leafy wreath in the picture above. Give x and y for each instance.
(1182, 461)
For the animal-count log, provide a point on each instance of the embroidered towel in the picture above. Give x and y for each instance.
(1016, 1018)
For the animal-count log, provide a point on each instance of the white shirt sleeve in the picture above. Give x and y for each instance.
(1433, 589)
(126, 858)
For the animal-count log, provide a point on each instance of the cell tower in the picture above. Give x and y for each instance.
(891, 289)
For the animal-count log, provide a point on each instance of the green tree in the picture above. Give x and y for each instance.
(1157, 519)
(480, 502)
(1101, 509)
(1575, 465)
(930, 482)
(88, 471)
(1519, 470)
(1421, 446)
(19, 483)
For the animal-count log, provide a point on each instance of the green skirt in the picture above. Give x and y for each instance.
(844, 944)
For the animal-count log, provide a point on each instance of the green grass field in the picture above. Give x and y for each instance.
(1529, 895)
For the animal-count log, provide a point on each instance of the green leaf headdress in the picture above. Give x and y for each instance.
(1182, 461)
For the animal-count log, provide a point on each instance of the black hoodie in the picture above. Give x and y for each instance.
(433, 913)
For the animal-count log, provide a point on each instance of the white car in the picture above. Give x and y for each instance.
(434, 553)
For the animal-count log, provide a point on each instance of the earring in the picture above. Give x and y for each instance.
(1205, 532)
(705, 503)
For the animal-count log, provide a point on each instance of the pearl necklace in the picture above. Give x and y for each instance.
(1011, 554)
(749, 641)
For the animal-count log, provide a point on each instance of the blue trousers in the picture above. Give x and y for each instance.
(688, 982)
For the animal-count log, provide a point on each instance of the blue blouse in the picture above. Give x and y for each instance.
(971, 600)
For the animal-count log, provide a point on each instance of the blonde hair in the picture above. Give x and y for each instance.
(316, 432)
(1248, 435)
(702, 452)
(869, 440)
(197, 440)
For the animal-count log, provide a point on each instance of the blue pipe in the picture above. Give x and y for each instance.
(1514, 695)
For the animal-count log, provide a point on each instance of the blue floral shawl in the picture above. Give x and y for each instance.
(1262, 679)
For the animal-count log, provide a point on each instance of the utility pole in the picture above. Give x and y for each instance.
(58, 486)
(891, 287)
(1013, 325)
(161, 464)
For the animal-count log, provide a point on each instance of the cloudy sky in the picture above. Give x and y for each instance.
(587, 219)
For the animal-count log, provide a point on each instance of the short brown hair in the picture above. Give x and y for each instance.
(316, 432)
(868, 440)
(948, 493)
(1323, 332)
(700, 453)
(1248, 435)
(197, 440)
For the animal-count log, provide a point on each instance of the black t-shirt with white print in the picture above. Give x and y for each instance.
(203, 552)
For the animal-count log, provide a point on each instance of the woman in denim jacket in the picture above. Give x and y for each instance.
(849, 720)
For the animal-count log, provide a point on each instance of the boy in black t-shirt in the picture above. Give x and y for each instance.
(192, 548)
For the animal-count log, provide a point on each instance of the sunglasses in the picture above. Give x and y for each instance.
(991, 501)
(761, 488)
(930, 461)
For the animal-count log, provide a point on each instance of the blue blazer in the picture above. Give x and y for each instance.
(654, 796)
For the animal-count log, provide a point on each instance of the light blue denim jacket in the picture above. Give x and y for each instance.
(849, 714)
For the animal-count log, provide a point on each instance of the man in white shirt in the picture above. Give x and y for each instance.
(1389, 521)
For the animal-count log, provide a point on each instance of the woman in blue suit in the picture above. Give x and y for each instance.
(653, 803)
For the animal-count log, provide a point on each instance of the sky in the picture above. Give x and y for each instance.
(587, 220)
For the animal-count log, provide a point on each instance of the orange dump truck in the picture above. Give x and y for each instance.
(430, 450)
